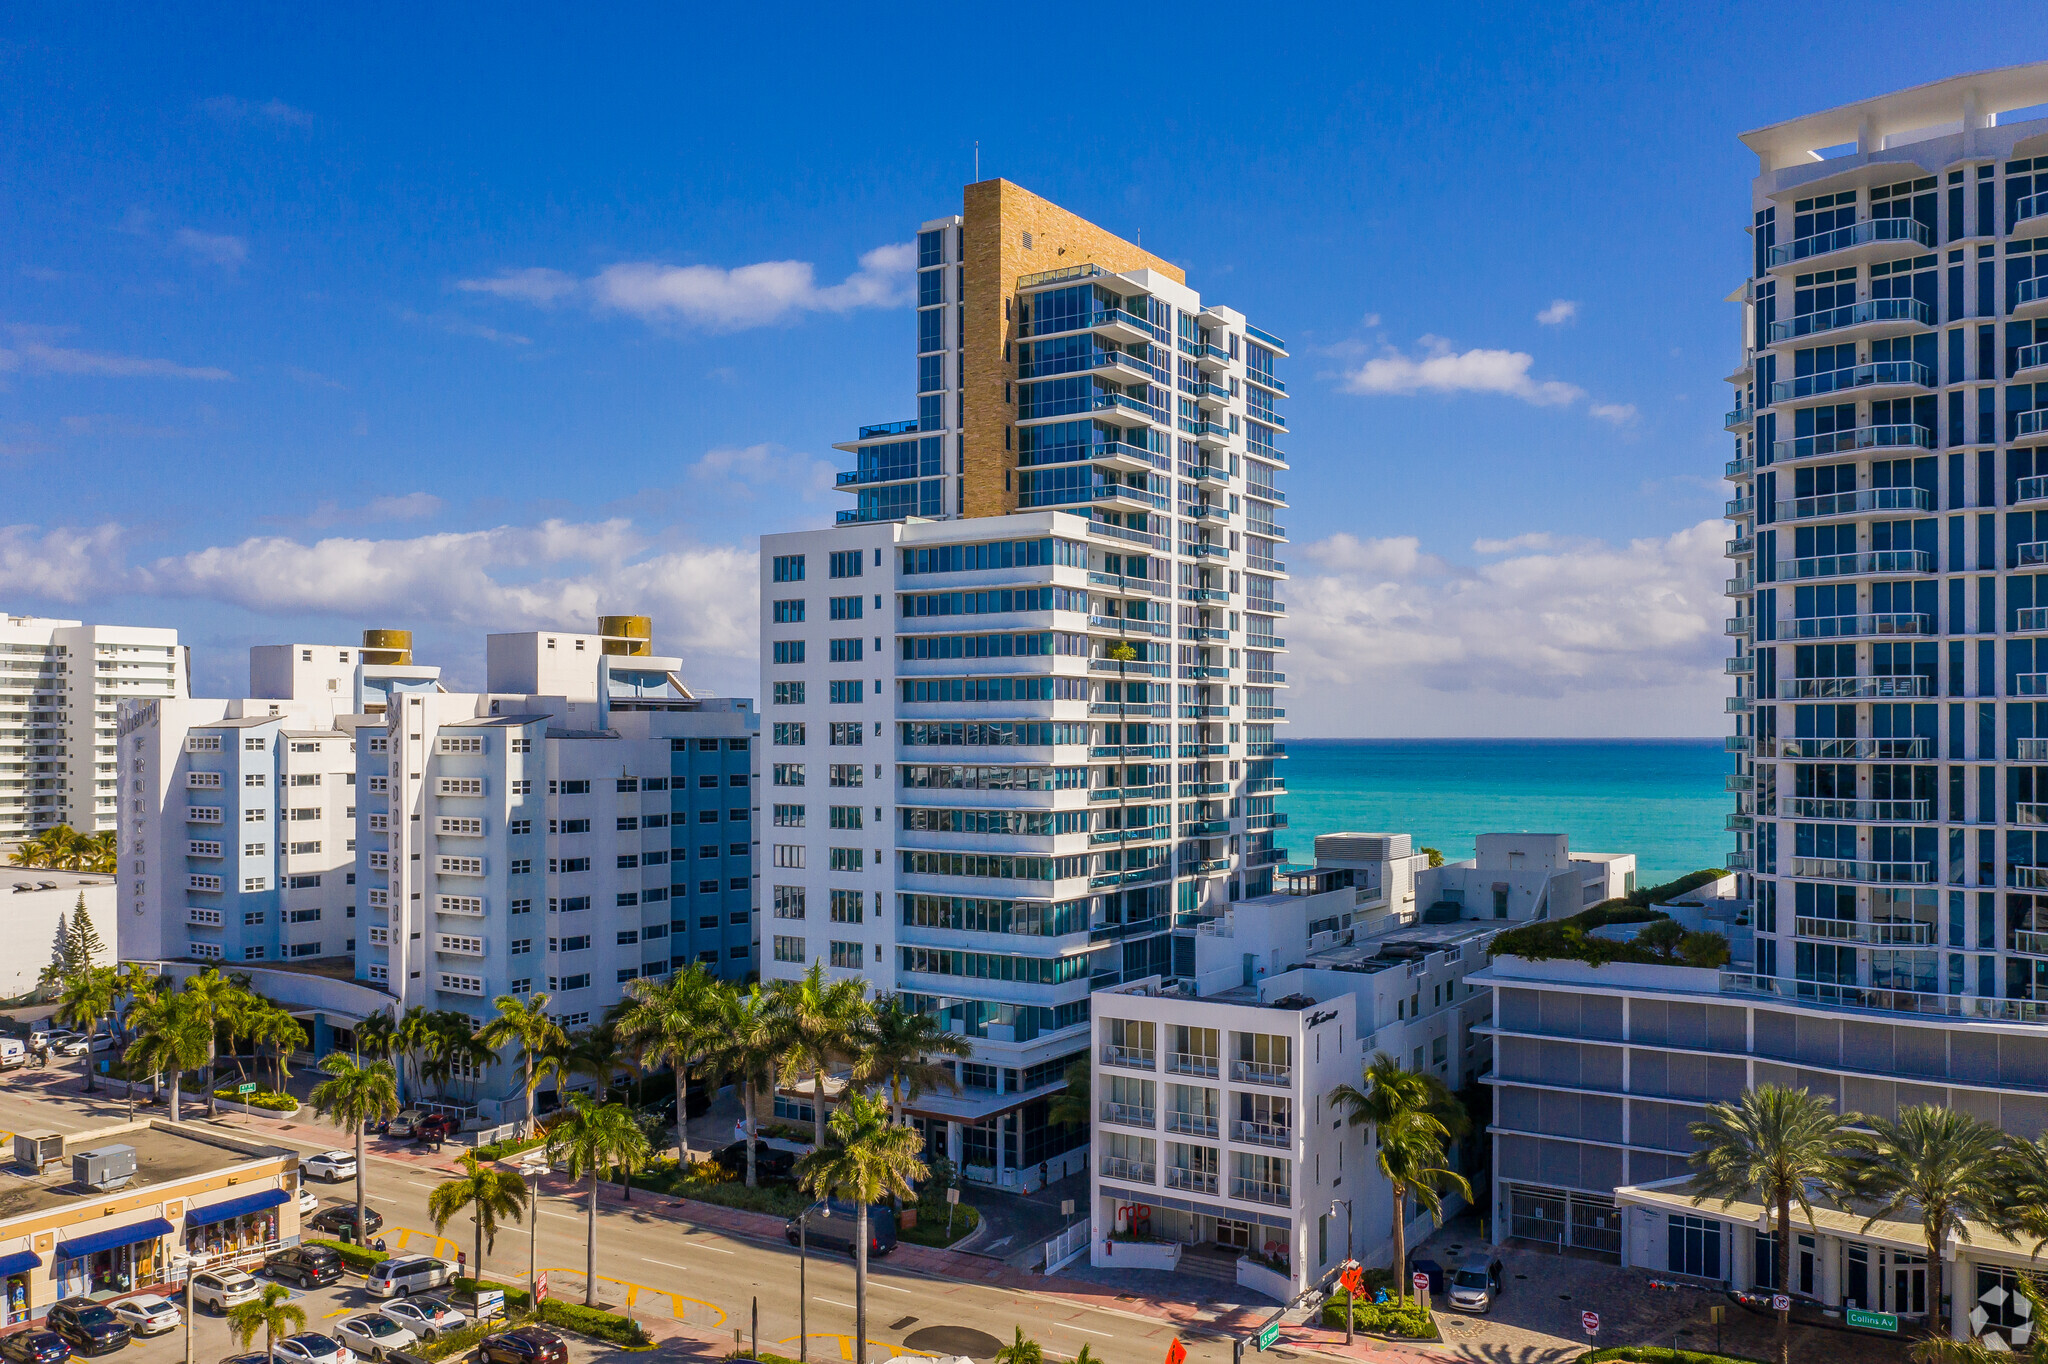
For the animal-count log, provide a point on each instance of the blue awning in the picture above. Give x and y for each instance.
(20, 1260)
(114, 1236)
(235, 1207)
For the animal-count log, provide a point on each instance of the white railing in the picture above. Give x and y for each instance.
(1067, 1247)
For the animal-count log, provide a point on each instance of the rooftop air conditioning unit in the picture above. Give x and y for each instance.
(105, 1169)
(37, 1149)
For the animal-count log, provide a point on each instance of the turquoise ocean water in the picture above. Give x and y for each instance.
(1661, 799)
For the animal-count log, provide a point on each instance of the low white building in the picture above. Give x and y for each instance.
(38, 905)
(1527, 876)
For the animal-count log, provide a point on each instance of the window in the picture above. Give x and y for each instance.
(304, 813)
(790, 774)
(707, 850)
(570, 788)
(627, 785)
(788, 733)
(1694, 1246)
(202, 743)
(846, 907)
(736, 779)
(789, 693)
(628, 936)
(255, 815)
(253, 745)
(845, 651)
(461, 866)
(305, 779)
(518, 907)
(786, 816)
(253, 954)
(707, 887)
(786, 854)
(467, 904)
(462, 826)
(789, 651)
(736, 849)
(789, 568)
(519, 826)
(628, 861)
(846, 816)
(254, 882)
(522, 788)
(847, 859)
(846, 563)
(460, 786)
(847, 954)
(789, 949)
(847, 692)
(305, 883)
(579, 943)
(202, 779)
(459, 745)
(521, 746)
(306, 849)
(845, 733)
(521, 866)
(847, 608)
(790, 612)
(847, 774)
(253, 779)
(566, 864)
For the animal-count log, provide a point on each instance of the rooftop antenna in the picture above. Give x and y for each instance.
(977, 161)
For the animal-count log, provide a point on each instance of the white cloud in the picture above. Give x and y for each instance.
(1443, 370)
(1560, 311)
(1621, 414)
(411, 506)
(30, 355)
(214, 248)
(64, 564)
(712, 296)
(1552, 623)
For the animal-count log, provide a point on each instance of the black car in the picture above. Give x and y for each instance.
(340, 1221)
(35, 1347)
(769, 1161)
(527, 1345)
(87, 1327)
(307, 1266)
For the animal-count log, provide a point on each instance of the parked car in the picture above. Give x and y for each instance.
(310, 1347)
(88, 1327)
(149, 1314)
(64, 1042)
(306, 1266)
(216, 1290)
(309, 1202)
(107, 1041)
(404, 1124)
(375, 1335)
(402, 1277)
(771, 1161)
(836, 1232)
(340, 1220)
(34, 1346)
(424, 1317)
(527, 1345)
(1476, 1284)
(330, 1165)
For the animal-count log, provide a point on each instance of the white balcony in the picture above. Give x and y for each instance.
(1869, 873)
(1898, 933)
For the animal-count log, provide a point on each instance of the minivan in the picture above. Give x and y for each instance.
(1476, 1284)
(836, 1231)
(398, 1278)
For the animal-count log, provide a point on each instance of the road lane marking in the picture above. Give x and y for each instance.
(891, 1287)
(1069, 1327)
(834, 1302)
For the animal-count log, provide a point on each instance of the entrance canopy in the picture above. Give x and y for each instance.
(79, 1246)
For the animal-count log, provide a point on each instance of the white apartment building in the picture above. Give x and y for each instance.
(1020, 702)
(39, 904)
(1216, 1143)
(584, 822)
(61, 682)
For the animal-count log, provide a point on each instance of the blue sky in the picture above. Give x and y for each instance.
(370, 318)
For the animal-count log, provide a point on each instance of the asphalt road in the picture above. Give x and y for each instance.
(708, 1280)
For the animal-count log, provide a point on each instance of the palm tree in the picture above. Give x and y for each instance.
(821, 1023)
(274, 1314)
(374, 1037)
(1070, 1106)
(669, 1022)
(411, 1037)
(526, 1022)
(356, 1095)
(1778, 1146)
(171, 1036)
(1025, 1350)
(88, 997)
(747, 1043)
(272, 1026)
(1413, 1118)
(592, 1137)
(894, 1048)
(222, 1004)
(868, 1157)
(1945, 1163)
(488, 1193)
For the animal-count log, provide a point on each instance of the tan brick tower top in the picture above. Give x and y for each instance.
(999, 218)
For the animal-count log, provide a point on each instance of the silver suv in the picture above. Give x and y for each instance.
(1476, 1284)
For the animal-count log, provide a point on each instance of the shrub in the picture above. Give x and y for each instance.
(457, 1342)
(1407, 1320)
(1571, 939)
(262, 1098)
(763, 1358)
(359, 1258)
(1661, 1354)
(511, 1146)
(605, 1326)
(516, 1299)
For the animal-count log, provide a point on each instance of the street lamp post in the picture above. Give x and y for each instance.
(1350, 1307)
(803, 1296)
(532, 1240)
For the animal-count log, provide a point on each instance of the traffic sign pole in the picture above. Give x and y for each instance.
(1590, 1321)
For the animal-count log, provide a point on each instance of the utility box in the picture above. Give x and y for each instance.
(105, 1169)
(37, 1149)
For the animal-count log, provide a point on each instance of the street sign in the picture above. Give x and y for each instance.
(246, 1087)
(490, 1303)
(1872, 1321)
(540, 1286)
(1781, 1302)
(1269, 1335)
(1421, 1282)
(1591, 1322)
(952, 1195)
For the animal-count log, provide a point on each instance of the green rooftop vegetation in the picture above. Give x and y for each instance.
(1662, 941)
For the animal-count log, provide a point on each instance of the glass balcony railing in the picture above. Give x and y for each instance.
(1882, 373)
(1857, 627)
(1904, 230)
(1856, 438)
(1852, 565)
(1893, 933)
(1129, 1171)
(1856, 811)
(2030, 357)
(1261, 1191)
(1739, 468)
(1739, 705)
(1857, 750)
(1872, 310)
(2033, 290)
(1855, 869)
(1737, 743)
(1191, 1180)
(1739, 587)
(2033, 206)
(1741, 416)
(903, 427)
(1829, 505)
(1193, 1063)
(1738, 506)
(2032, 423)
(1262, 1133)
(1739, 625)
(2030, 620)
(1853, 688)
(1738, 781)
(1131, 1058)
(1262, 1073)
(1128, 1115)
(1744, 665)
(1739, 546)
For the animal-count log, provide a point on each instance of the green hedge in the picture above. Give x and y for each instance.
(262, 1098)
(455, 1342)
(1663, 1354)
(1407, 1320)
(511, 1146)
(359, 1258)
(763, 1358)
(589, 1321)
(1571, 939)
(782, 1200)
(1671, 890)
(516, 1299)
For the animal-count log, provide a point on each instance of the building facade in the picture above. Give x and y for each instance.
(61, 685)
(1020, 701)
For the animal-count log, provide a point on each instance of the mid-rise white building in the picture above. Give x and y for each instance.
(1020, 703)
(61, 683)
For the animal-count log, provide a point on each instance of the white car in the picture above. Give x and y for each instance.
(64, 1042)
(106, 1041)
(375, 1335)
(424, 1317)
(310, 1347)
(309, 1202)
(330, 1165)
(218, 1290)
(149, 1314)
(401, 1277)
